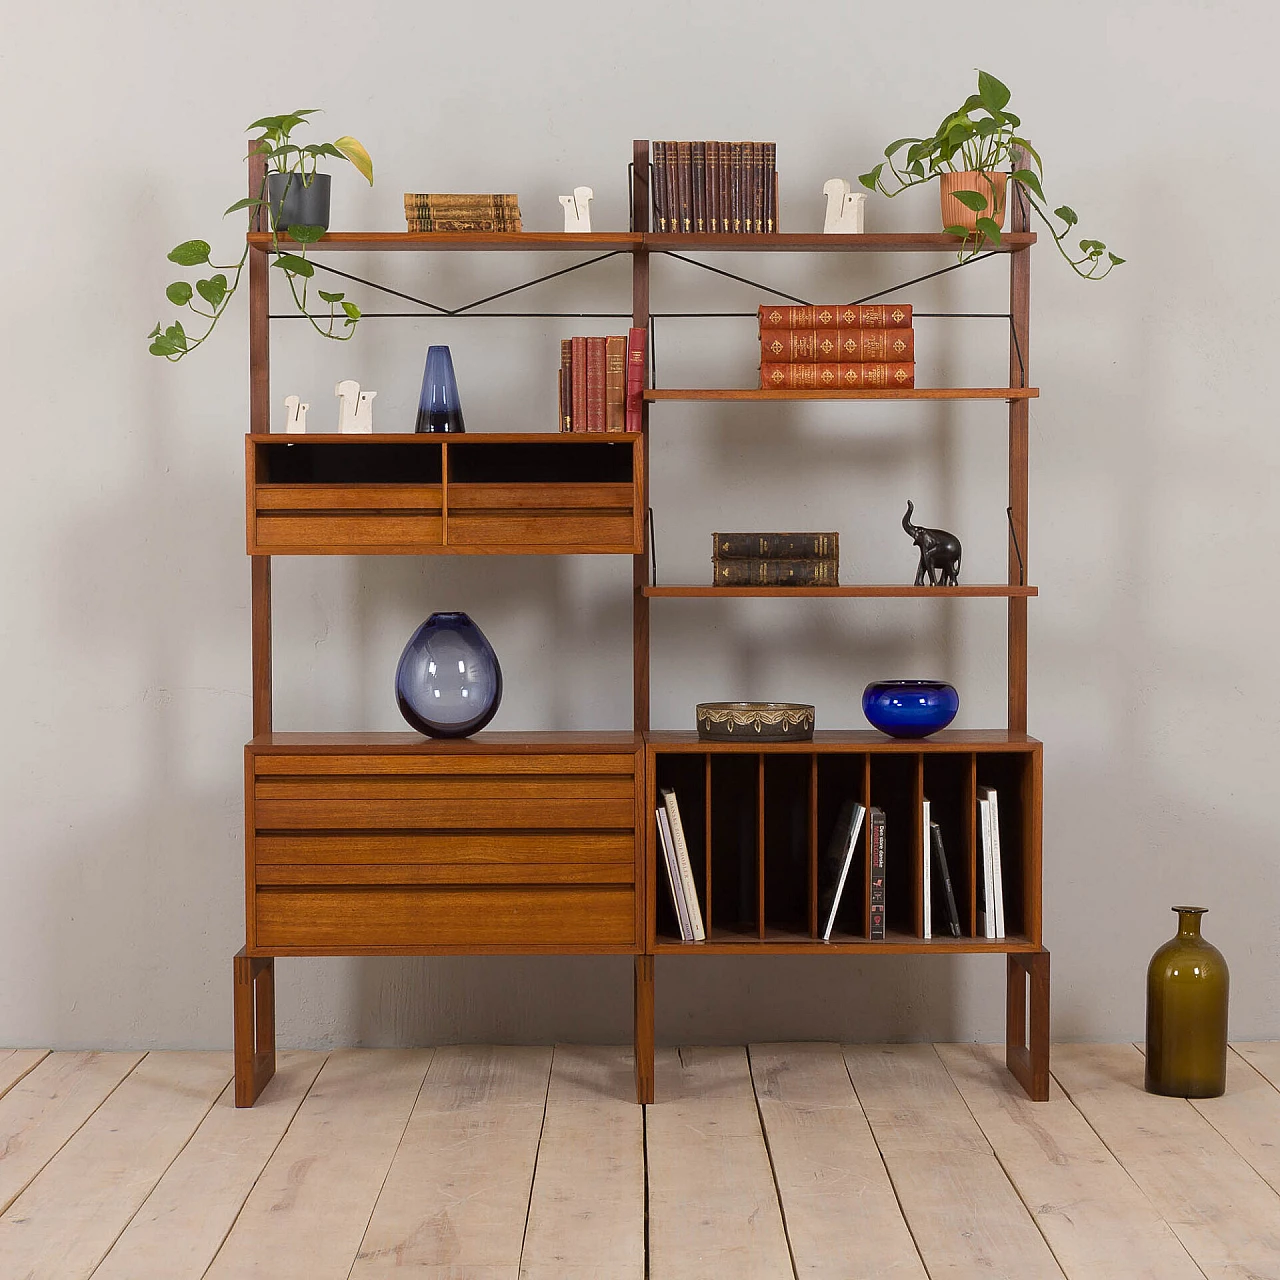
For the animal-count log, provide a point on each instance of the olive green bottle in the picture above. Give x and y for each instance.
(1187, 983)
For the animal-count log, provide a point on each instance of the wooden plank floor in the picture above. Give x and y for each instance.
(779, 1161)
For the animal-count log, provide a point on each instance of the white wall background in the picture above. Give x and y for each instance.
(124, 627)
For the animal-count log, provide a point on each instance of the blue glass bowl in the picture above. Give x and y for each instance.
(448, 683)
(910, 708)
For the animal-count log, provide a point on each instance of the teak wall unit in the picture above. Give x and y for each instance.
(535, 843)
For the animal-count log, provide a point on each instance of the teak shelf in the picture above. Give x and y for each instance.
(544, 843)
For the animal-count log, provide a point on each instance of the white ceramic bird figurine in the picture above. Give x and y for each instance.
(355, 408)
(577, 209)
(295, 421)
(844, 208)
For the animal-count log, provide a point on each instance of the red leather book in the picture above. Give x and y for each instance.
(726, 188)
(684, 181)
(658, 186)
(635, 378)
(836, 346)
(712, 179)
(579, 384)
(735, 194)
(836, 377)
(770, 186)
(615, 384)
(596, 375)
(888, 315)
(699, 177)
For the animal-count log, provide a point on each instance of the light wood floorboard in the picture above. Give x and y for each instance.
(16, 1063)
(713, 1208)
(41, 1112)
(1263, 1056)
(457, 1197)
(182, 1225)
(306, 1215)
(828, 1169)
(586, 1214)
(64, 1223)
(965, 1216)
(1248, 1117)
(1226, 1216)
(1098, 1223)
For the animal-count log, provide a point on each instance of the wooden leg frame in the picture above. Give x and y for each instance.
(644, 1029)
(255, 1025)
(1027, 1038)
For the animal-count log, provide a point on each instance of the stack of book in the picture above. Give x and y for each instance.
(601, 382)
(847, 347)
(679, 868)
(462, 212)
(991, 923)
(775, 559)
(716, 188)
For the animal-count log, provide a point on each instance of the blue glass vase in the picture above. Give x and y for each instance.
(448, 683)
(910, 708)
(439, 408)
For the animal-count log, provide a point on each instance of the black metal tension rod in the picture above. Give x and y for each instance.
(477, 315)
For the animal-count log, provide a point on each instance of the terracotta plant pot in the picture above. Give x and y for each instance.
(956, 214)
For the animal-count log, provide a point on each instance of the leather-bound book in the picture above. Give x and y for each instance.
(776, 573)
(836, 315)
(735, 196)
(673, 188)
(775, 546)
(837, 377)
(836, 346)
(699, 177)
(726, 188)
(635, 378)
(615, 384)
(711, 178)
(770, 186)
(684, 184)
(757, 189)
(579, 383)
(658, 186)
(596, 376)
(566, 384)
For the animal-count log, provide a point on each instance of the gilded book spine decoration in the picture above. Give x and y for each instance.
(838, 346)
(717, 188)
(836, 377)
(889, 315)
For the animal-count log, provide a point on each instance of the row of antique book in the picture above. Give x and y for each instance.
(717, 188)
(846, 347)
(601, 382)
(775, 559)
(471, 212)
(939, 901)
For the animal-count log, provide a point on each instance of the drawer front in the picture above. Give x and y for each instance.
(463, 918)
(552, 518)
(475, 850)
(345, 519)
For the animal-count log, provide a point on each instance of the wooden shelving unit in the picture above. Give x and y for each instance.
(544, 843)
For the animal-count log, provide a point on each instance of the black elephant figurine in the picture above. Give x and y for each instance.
(939, 553)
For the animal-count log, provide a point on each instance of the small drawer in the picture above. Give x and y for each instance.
(546, 517)
(346, 519)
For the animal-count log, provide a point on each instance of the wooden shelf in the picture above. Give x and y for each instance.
(458, 241)
(776, 942)
(945, 742)
(908, 393)
(887, 591)
(484, 743)
(428, 439)
(819, 242)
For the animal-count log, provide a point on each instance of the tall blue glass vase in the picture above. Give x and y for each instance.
(448, 683)
(439, 409)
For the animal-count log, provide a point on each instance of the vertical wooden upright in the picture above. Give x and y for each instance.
(644, 992)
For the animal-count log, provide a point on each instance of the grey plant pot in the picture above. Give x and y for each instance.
(293, 204)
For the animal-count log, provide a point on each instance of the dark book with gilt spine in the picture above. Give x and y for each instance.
(566, 384)
(684, 183)
(713, 186)
(735, 195)
(615, 384)
(775, 546)
(673, 189)
(757, 188)
(726, 188)
(657, 187)
(770, 186)
(579, 383)
(776, 573)
(841, 346)
(635, 378)
(596, 373)
(877, 826)
(837, 377)
(888, 315)
(699, 174)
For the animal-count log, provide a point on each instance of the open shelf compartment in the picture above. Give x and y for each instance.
(498, 494)
(759, 820)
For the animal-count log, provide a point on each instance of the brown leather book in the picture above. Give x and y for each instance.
(615, 384)
(836, 346)
(657, 192)
(757, 188)
(699, 176)
(770, 186)
(673, 188)
(836, 377)
(888, 315)
(735, 187)
(712, 180)
(775, 546)
(566, 384)
(776, 573)
(684, 184)
(596, 375)
(579, 384)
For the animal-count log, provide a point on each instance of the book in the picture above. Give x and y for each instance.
(578, 391)
(699, 173)
(986, 872)
(566, 384)
(997, 875)
(775, 546)
(683, 865)
(726, 187)
(836, 377)
(713, 186)
(754, 165)
(926, 872)
(878, 315)
(462, 212)
(635, 379)
(673, 189)
(877, 826)
(615, 383)
(657, 184)
(596, 370)
(942, 878)
(770, 186)
(853, 346)
(673, 878)
(735, 187)
(684, 185)
(776, 573)
(839, 859)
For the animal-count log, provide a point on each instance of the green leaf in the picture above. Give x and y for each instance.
(1011, 119)
(974, 200)
(163, 347)
(994, 95)
(330, 297)
(1094, 248)
(190, 253)
(960, 132)
(355, 152)
(247, 203)
(901, 142)
(1028, 180)
(1115, 262)
(295, 265)
(213, 290)
(353, 312)
(155, 332)
(1068, 216)
(871, 178)
(1029, 149)
(956, 231)
(916, 170)
(305, 234)
(989, 228)
(176, 335)
(179, 293)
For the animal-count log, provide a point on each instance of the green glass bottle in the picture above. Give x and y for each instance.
(1187, 982)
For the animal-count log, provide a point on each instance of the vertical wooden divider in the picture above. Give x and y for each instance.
(866, 846)
(1019, 453)
(813, 846)
(706, 818)
(917, 847)
(444, 492)
(760, 842)
(259, 424)
(640, 563)
(972, 852)
(1032, 834)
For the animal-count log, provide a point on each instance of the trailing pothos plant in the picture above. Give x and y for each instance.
(982, 137)
(215, 291)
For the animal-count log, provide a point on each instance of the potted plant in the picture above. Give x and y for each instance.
(296, 197)
(974, 153)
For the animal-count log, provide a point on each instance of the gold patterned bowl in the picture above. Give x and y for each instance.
(755, 721)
